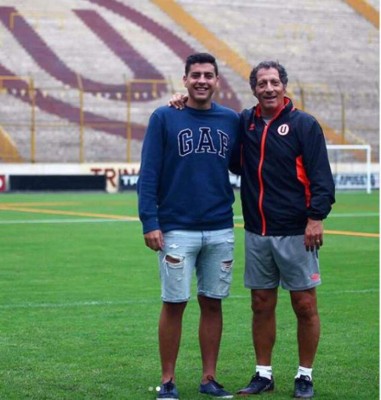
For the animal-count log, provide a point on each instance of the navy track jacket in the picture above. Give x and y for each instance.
(184, 179)
(286, 175)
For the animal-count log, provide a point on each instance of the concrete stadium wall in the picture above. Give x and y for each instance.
(314, 40)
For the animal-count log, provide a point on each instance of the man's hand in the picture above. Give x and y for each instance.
(178, 101)
(313, 235)
(154, 240)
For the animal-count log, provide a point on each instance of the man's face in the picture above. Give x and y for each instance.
(269, 91)
(201, 83)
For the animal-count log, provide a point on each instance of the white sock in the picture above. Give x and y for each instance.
(304, 371)
(265, 371)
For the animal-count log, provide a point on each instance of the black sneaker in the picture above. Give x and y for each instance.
(168, 391)
(257, 385)
(213, 388)
(304, 389)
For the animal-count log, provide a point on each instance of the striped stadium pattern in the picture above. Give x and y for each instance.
(90, 60)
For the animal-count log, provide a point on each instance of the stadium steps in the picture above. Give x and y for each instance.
(294, 38)
(174, 42)
(365, 9)
(248, 34)
(8, 149)
(67, 111)
(71, 112)
(141, 68)
(223, 51)
(45, 57)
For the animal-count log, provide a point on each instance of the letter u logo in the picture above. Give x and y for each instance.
(283, 130)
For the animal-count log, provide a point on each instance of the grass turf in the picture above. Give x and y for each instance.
(79, 304)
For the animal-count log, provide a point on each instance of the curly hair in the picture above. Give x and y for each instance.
(267, 65)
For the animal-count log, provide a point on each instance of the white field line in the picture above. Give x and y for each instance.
(96, 303)
(354, 215)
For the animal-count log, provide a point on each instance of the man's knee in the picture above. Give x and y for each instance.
(210, 305)
(263, 301)
(305, 304)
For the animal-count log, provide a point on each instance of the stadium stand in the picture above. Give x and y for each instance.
(314, 40)
(77, 60)
(8, 150)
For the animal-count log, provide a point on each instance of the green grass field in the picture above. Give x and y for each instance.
(80, 299)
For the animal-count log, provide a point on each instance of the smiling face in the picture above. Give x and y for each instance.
(201, 82)
(269, 91)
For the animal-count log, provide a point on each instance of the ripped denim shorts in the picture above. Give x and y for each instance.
(209, 253)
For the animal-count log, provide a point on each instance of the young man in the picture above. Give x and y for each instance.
(287, 190)
(185, 205)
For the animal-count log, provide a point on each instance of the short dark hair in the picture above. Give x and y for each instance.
(200, 58)
(267, 65)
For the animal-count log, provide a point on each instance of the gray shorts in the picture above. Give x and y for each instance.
(271, 261)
